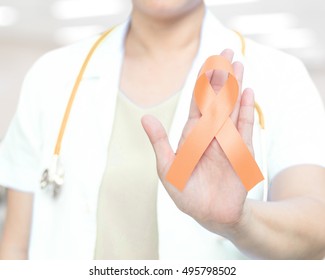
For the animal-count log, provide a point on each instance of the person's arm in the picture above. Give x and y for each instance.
(15, 236)
(290, 226)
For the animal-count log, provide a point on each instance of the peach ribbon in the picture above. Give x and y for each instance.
(215, 122)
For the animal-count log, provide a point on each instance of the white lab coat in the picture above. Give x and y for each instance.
(65, 228)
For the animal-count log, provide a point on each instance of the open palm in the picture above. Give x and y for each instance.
(214, 194)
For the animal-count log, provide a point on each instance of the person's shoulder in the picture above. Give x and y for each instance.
(56, 69)
(64, 58)
(261, 55)
(276, 76)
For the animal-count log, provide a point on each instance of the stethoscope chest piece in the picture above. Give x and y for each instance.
(53, 178)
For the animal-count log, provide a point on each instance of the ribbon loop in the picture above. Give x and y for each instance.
(215, 123)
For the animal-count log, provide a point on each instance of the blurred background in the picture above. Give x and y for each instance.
(29, 28)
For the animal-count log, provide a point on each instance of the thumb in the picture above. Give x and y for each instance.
(160, 143)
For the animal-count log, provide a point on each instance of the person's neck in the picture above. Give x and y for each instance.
(153, 38)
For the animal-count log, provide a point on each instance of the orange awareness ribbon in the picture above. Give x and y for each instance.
(215, 122)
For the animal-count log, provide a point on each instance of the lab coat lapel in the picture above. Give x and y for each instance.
(91, 121)
(108, 64)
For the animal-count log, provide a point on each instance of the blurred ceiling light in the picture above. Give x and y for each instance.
(297, 38)
(8, 16)
(68, 35)
(227, 2)
(263, 23)
(71, 9)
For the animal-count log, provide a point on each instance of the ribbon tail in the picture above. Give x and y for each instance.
(239, 156)
(189, 154)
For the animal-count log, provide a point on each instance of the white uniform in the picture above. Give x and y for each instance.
(66, 228)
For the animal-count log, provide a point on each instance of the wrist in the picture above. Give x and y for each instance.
(239, 230)
(235, 230)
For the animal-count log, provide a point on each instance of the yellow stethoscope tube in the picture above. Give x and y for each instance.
(74, 92)
(53, 177)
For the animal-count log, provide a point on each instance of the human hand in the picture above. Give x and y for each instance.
(214, 194)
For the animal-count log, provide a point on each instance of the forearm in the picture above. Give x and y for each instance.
(288, 229)
(14, 241)
(10, 252)
(12, 245)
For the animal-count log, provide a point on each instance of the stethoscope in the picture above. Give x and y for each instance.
(52, 179)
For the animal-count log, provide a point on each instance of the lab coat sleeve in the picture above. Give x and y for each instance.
(296, 120)
(292, 107)
(20, 149)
